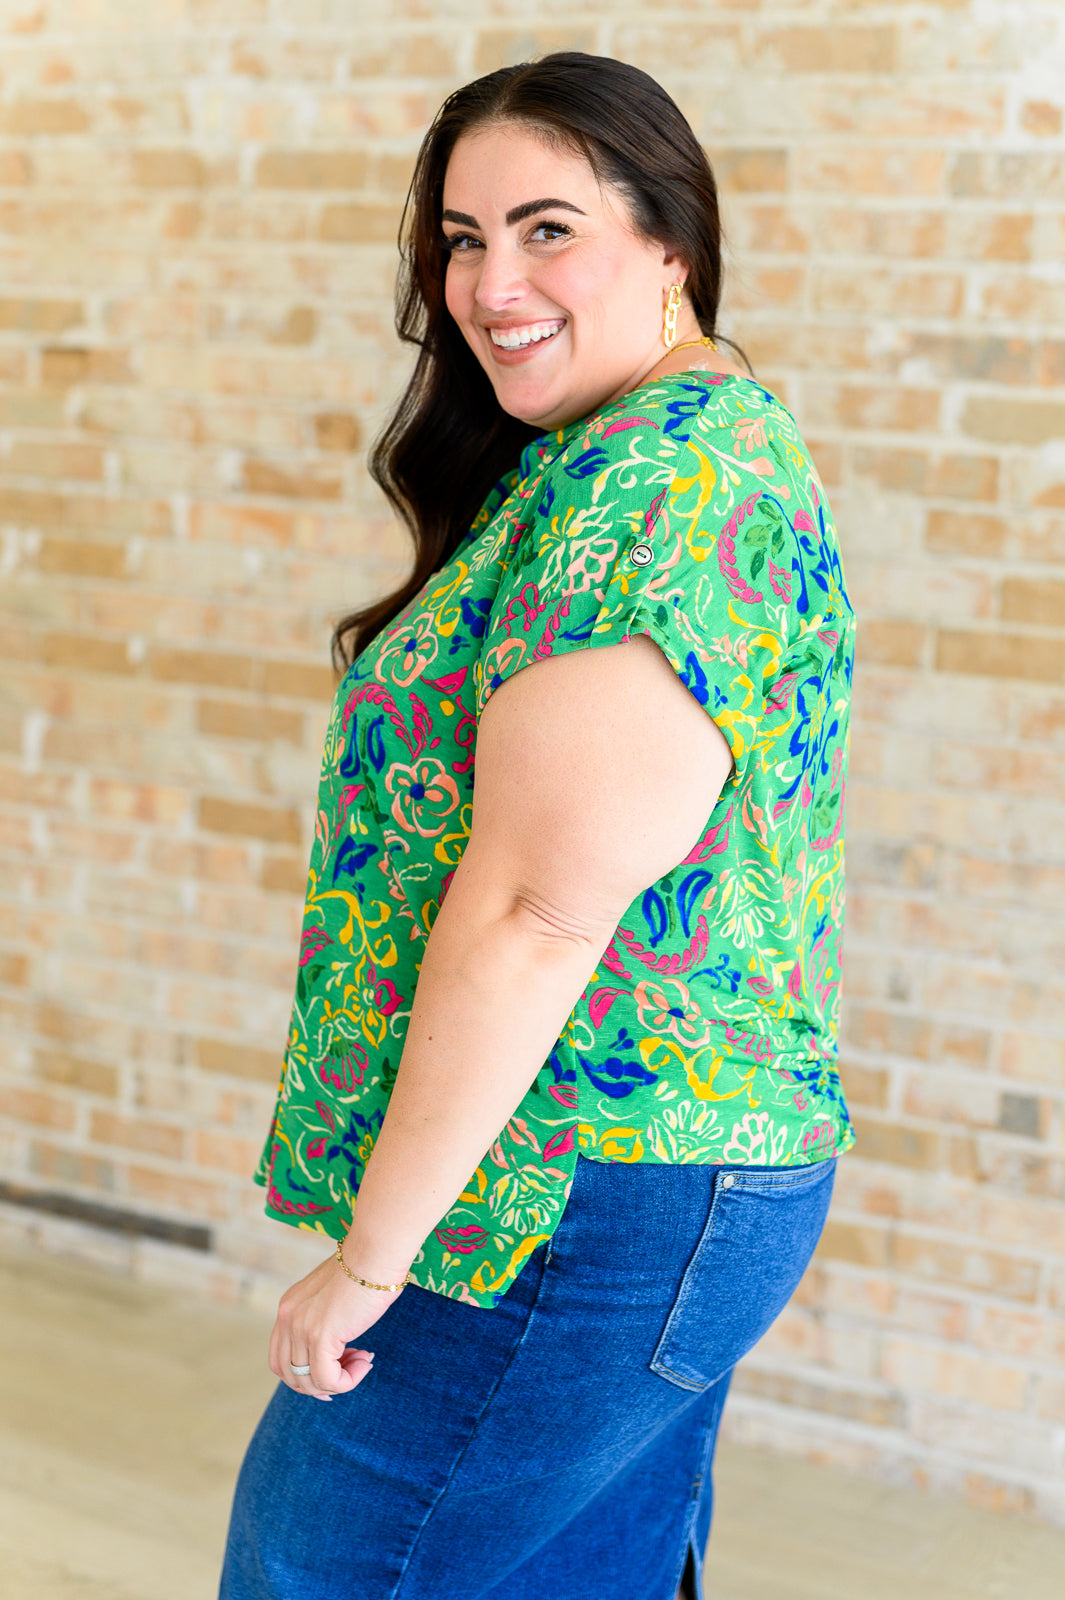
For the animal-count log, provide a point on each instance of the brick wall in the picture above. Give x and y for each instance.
(197, 207)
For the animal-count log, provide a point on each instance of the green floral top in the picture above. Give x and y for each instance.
(688, 510)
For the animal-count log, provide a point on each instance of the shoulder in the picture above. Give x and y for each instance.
(654, 423)
(621, 451)
(750, 434)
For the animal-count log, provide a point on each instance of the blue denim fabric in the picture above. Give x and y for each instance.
(560, 1443)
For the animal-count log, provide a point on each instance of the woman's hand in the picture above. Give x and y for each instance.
(315, 1320)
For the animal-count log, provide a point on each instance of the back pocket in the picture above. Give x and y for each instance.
(763, 1227)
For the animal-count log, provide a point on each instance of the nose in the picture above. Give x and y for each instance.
(501, 281)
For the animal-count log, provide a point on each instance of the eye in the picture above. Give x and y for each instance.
(553, 231)
(459, 243)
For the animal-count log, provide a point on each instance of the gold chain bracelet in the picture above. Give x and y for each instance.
(365, 1281)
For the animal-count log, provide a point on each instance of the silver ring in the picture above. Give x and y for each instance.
(301, 1372)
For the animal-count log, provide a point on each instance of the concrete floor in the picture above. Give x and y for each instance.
(124, 1410)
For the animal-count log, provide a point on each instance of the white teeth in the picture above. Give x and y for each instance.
(515, 338)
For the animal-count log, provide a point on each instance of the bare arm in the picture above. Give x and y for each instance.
(595, 774)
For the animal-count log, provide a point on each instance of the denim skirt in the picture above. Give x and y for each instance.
(558, 1444)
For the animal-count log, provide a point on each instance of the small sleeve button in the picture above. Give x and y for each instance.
(641, 555)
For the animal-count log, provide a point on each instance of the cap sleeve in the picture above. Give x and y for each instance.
(685, 536)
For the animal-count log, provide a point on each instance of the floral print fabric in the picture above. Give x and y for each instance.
(689, 510)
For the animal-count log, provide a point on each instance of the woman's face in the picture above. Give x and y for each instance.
(557, 296)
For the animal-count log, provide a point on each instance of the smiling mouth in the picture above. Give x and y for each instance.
(530, 333)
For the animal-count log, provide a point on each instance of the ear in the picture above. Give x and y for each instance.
(676, 266)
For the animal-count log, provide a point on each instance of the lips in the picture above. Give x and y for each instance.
(521, 335)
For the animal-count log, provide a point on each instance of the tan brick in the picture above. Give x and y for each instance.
(87, 513)
(940, 1315)
(65, 365)
(965, 477)
(14, 967)
(1037, 600)
(405, 55)
(138, 802)
(750, 169)
(896, 644)
(276, 824)
(83, 653)
(337, 430)
(863, 406)
(989, 358)
(167, 169)
(1009, 176)
(40, 316)
(191, 1199)
(82, 558)
(891, 1141)
(311, 169)
(1041, 117)
(15, 168)
(36, 1107)
(957, 477)
(827, 49)
(263, 477)
(222, 1152)
(237, 719)
(297, 680)
(1007, 1332)
(858, 1242)
(965, 533)
(1001, 655)
(986, 1271)
(1022, 296)
(359, 223)
(239, 1060)
(77, 1072)
(31, 458)
(1013, 421)
(242, 524)
(226, 670)
(882, 292)
(500, 47)
(827, 1399)
(71, 1168)
(132, 1133)
(870, 169)
(865, 1086)
(283, 872)
(30, 118)
(950, 1373)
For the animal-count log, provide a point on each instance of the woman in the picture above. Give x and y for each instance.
(559, 1079)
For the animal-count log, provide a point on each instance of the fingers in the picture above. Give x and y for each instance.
(327, 1376)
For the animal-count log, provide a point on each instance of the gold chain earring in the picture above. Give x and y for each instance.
(673, 304)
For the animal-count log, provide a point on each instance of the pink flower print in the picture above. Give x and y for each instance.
(752, 433)
(560, 1144)
(424, 794)
(413, 648)
(780, 580)
(311, 941)
(462, 1240)
(499, 661)
(664, 1005)
(820, 1139)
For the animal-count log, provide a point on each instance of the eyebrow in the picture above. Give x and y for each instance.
(516, 213)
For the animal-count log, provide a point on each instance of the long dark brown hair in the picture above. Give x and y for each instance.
(449, 440)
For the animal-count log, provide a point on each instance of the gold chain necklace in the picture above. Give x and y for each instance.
(688, 342)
